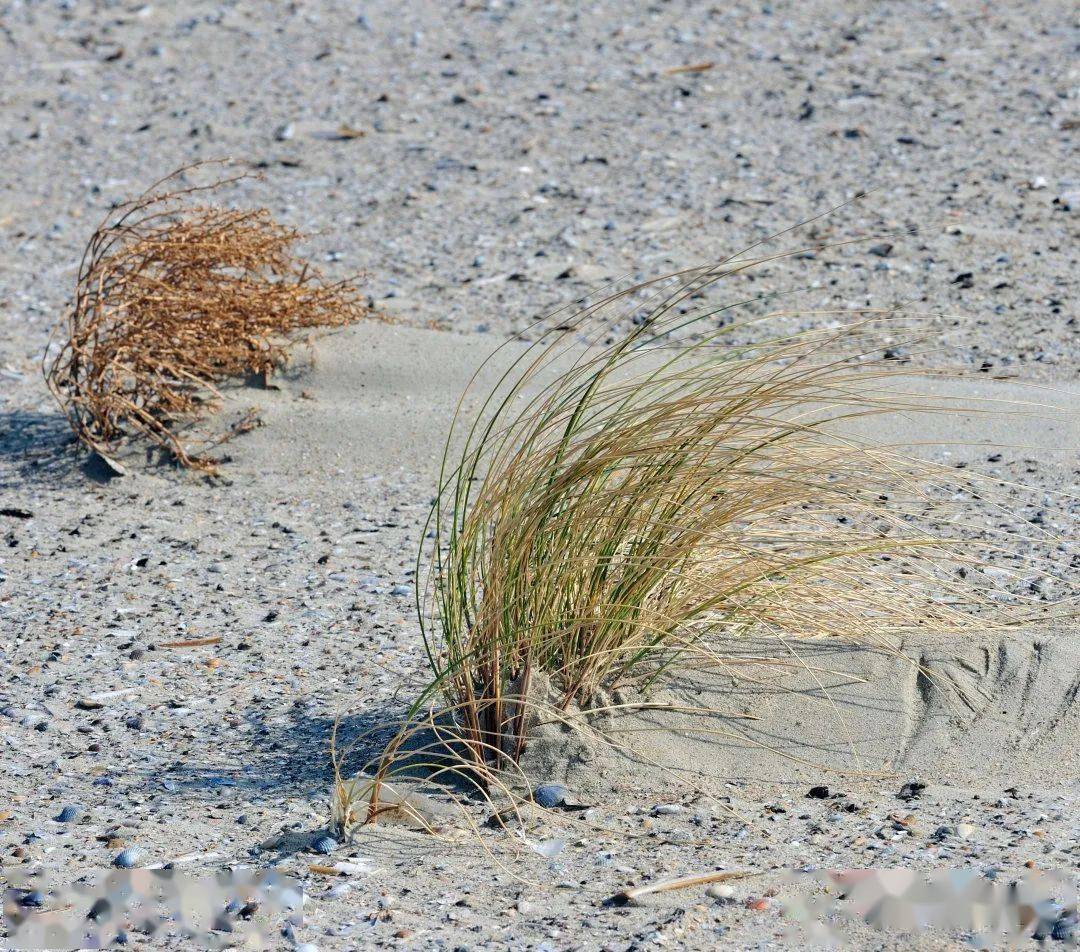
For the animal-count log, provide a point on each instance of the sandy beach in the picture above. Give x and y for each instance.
(176, 649)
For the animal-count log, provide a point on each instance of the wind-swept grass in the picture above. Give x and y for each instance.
(622, 499)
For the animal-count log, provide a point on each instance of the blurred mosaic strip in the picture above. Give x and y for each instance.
(232, 907)
(991, 911)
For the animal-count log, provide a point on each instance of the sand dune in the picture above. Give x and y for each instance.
(378, 399)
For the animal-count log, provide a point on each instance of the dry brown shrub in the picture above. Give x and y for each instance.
(173, 296)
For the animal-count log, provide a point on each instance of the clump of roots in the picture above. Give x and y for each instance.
(173, 296)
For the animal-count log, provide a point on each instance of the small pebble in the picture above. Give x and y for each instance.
(911, 790)
(338, 890)
(720, 891)
(667, 809)
(67, 815)
(818, 793)
(1069, 201)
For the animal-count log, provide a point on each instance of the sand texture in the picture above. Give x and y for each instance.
(298, 567)
(175, 650)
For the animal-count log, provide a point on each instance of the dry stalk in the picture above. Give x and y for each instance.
(173, 296)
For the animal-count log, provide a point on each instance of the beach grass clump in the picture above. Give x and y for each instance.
(174, 295)
(628, 491)
(623, 499)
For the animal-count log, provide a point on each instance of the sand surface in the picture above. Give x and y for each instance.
(512, 157)
(301, 561)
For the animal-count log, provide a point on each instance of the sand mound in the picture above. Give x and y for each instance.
(369, 401)
(377, 400)
(950, 709)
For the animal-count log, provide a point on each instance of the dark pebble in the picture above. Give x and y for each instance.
(67, 815)
(100, 910)
(34, 899)
(818, 793)
(911, 790)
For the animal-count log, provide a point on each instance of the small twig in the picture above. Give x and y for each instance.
(191, 643)
(690, 68)
(681, 882)
(320, 869)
